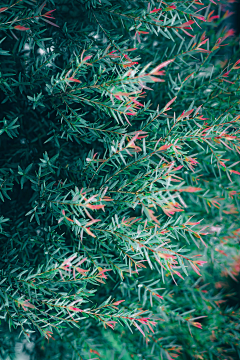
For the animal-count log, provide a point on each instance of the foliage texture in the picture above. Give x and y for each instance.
(119, 181)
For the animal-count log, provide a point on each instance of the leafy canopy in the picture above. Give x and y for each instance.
(118, 179)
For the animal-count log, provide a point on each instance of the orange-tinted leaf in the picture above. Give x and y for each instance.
(87, 58)
(159, 296)
(68, 260)
(118, 302)
(74, 309)
(156, 69)
(221, 252)
(111, 324)
(178, 274)
(166, 107)
(21, 28)
(151, 214)
(235, 172)
(164, 147)
(197, 324)
(89, 232)
(74, 80)
(190, 189)
(186, 24)
(27, 304)
(138, 327)
(95, 207)
(81, 271)
(94, 352)
(195, 269)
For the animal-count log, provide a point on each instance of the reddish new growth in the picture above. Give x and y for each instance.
(155, 10)
(144, 321)
(26, 304)
(197, 324)
(44, 17)
(171, 208)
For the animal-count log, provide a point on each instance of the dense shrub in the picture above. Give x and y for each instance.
(119, 179)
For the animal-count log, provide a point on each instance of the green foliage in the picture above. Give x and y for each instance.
(119, 136)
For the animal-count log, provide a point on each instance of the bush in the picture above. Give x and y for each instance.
(119, 182)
